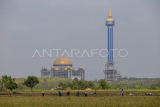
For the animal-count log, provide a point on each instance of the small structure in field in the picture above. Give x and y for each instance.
(88, 89)
(52, 89)
(68, 89)
(58, 88)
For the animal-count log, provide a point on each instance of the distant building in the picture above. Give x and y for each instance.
(62, 68)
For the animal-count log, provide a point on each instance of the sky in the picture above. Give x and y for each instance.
(30, 25)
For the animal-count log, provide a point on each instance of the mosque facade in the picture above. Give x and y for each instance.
(62, 68)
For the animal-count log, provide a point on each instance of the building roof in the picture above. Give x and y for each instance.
(62, 61)
(80, 67)
(68, 67)
(55, 67)
(44, 67)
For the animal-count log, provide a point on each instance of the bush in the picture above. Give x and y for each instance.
(77, 85)
(102, 85)
(99, 87)
(21, 86)
(153, 87)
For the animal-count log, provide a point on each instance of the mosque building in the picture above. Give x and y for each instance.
(62, 68)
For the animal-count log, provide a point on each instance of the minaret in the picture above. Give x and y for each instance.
(110, 24)
(109, 66)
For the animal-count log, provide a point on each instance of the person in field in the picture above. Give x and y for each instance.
(68, 93)
(149, 94)
(42, 93)
(122, 92)
(94, 93)
(60, 94)
(85, 93)
(130, 94)
(77, 94)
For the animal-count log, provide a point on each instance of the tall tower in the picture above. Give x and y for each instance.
(109, 66)
(110, 24)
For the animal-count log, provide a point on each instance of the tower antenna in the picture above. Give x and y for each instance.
(110, 16)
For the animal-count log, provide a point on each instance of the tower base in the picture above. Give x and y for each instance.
(111, 74)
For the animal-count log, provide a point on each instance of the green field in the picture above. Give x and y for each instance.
(104, 98)
(109, 98)
(107, 101)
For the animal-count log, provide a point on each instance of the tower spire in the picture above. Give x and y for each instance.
(110, 17)
(110, 13)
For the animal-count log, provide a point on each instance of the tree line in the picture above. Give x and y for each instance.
(82, 85)
(8, 83)
(32, 82)
(102, 84)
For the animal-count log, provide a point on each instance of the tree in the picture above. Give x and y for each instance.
(99, 87)
(63, 85)
(8, 83)
(153, 87)
(104, 84)
(88, 84)
(111, 86)
(118, 86)
(31, 81)
(77, 85)
(158, 83)
(107, 86)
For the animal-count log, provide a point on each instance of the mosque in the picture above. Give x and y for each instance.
(62, 68)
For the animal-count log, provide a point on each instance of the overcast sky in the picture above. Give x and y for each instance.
(30, 25)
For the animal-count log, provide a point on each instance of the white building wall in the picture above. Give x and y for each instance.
(78, 77)
(69, 74)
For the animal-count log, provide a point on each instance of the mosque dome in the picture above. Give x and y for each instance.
(81, 67)
(71, 68)
(44, 68)
(55, 67)
(62, 61)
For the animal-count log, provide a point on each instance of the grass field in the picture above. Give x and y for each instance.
(108, 101)
(103, 98)
(104, 92)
